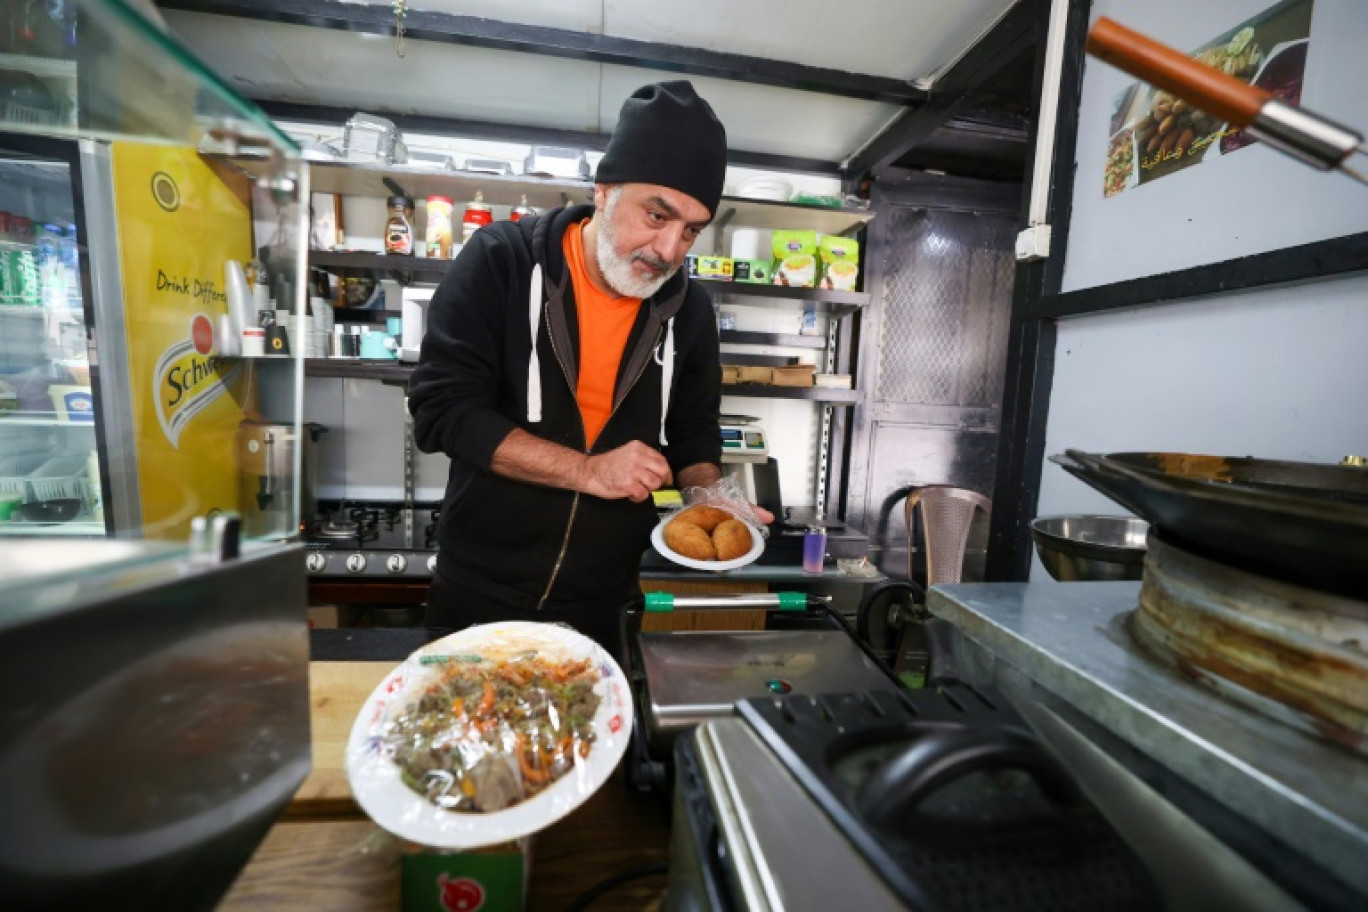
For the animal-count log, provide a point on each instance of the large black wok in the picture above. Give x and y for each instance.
(1306, 523)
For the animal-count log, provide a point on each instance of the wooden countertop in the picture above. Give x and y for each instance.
(325, 853)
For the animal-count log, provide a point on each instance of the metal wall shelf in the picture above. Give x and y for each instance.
(357, 369)
(847, 299)
(362, 179)
(814, 393)
(413, 266)
(42, 419)
(373, 180)
(419, 269)
(39, 66)
(783, 340)
(399, 373)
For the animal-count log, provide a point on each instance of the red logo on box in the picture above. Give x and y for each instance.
(460, 894)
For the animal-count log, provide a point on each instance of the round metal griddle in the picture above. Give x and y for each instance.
(1305, 523)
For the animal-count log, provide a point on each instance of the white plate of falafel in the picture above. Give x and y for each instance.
(705, 537)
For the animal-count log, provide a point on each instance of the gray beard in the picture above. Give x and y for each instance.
(617, 270)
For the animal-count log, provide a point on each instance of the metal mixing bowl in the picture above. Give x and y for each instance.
(1080, 547)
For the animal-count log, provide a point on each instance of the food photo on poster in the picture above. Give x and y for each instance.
(1155, 134)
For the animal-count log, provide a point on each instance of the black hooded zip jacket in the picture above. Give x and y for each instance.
(522, 544)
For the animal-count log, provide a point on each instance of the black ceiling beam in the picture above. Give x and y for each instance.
(501, 132)
(379, 19)
(953, 92)
(1002, 131)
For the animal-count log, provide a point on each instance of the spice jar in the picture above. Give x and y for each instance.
(399, 228)
(438, 235)
(477, 215)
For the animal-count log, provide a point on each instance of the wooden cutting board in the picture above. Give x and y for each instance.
(337, 691)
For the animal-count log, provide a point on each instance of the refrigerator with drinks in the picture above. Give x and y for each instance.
(126, 407)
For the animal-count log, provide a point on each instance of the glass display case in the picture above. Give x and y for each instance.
(153, 644)
(138, 198)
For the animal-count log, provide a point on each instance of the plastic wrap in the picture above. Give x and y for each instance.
(704, 535)
(489, 734)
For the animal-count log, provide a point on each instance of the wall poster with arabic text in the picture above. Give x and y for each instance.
(1155, 134)
(1160, 187)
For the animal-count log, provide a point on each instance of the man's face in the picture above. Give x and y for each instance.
(645, 232)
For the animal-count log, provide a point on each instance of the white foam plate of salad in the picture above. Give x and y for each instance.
(489, 734)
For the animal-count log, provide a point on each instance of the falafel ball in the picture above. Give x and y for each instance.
(705, 517)
(732, 539)
(688, 540)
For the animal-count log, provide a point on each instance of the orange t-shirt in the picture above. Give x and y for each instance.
(605, 322)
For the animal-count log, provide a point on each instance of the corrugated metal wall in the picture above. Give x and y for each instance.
(933, 348)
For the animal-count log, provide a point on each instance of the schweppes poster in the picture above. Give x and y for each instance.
(179, 223)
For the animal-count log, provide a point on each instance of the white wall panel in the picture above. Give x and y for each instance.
(362, 454)
(1276, 374)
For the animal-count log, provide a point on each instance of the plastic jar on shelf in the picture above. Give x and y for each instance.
(438, 235)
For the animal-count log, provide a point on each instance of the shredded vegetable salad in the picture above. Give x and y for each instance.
(487, 734)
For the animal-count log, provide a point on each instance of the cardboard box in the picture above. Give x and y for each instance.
(795, 375)
(490, 880)
(325, 617)
(750, 373)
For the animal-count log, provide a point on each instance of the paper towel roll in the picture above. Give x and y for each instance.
(745, 244)
(239, 296)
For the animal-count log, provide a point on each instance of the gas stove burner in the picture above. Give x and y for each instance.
(335, 528)
(363, 516)
(430, 531)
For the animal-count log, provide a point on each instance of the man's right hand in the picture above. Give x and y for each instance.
(633, 471)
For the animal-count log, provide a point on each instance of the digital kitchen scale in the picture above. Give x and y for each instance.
(743, 440)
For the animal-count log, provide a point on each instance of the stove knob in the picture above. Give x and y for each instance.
(315, 562)
(432, 564)
(356, 563)
(397, 563)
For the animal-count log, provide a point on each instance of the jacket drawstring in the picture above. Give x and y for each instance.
(534, 390)
(666, 377)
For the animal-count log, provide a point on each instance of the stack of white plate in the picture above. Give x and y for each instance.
(765, 188)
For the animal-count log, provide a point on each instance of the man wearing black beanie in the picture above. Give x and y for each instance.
(570, 369)
(669, 136)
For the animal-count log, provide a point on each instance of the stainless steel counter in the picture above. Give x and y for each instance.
(1071, 641)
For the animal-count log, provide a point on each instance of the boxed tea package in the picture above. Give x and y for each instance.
(795, 260)
(752, 272)
(840, 258)
(719, 269)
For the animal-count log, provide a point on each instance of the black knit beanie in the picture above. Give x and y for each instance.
(669, 136)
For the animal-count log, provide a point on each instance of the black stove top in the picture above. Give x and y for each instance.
(372, 526)
(375, 539)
